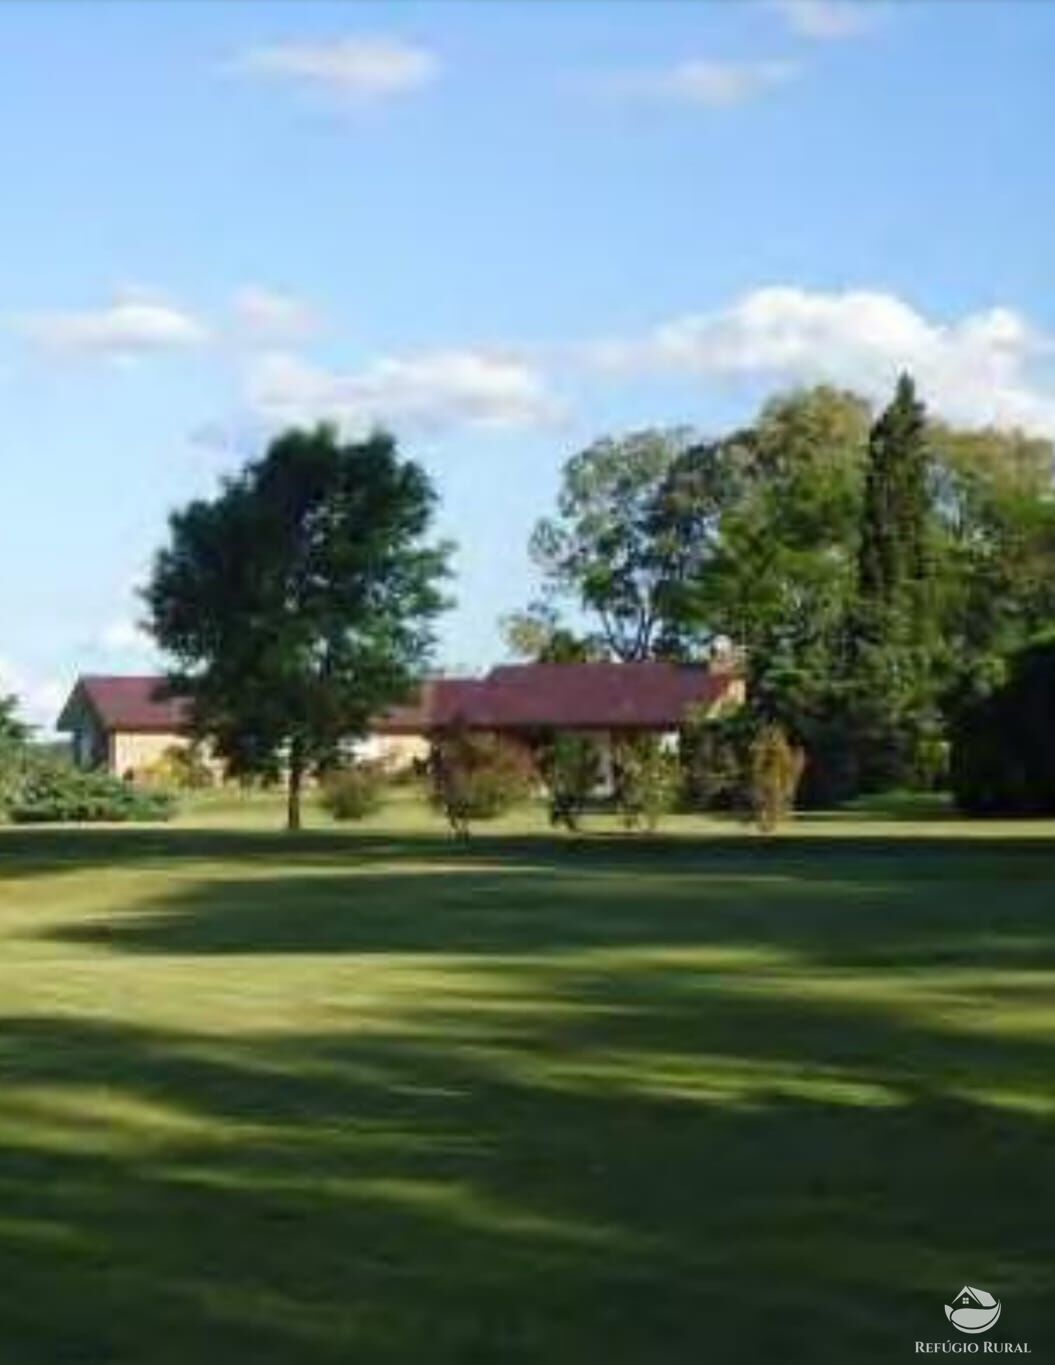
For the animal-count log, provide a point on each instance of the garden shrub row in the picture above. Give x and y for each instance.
(55, 792)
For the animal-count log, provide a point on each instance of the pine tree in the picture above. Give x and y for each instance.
(891, 687)
(892, 555)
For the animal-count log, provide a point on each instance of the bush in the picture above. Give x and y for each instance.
(648, 780)
(1002, 744)
(776, 769)
(52, 791)
(712, 756)
(180, 768)
(354, 792)
(478, 777)
(572, 767)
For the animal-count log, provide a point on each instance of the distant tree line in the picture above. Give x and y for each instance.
(877, 574)
(886, 581)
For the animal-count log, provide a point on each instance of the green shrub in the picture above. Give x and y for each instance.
(52, 791)
(648, 779)
(712, 754)
(354, 792)
(572, 766)
(478, 777)
(776, 770)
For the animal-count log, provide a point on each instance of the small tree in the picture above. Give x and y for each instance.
(647, 780)
(477, 776)
(776, 768)
(354, 791)
(572, 767)
(711, 752)
(13, 739)
(299, 602)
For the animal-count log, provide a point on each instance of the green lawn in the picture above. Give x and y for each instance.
(372, 1096)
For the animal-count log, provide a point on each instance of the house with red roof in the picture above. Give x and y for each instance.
(125, 724)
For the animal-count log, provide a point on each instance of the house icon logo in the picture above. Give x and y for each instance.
(973, 1310)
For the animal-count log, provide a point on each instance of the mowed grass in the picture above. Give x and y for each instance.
(374, 1096)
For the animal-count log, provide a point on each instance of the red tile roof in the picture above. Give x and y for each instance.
(602, 696)
(135, 705)
(599, 696)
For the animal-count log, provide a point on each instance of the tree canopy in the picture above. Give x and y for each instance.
(867, 566)
(300, 601)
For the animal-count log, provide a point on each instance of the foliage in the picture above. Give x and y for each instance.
(51, 792)
(995, 545)
(600, 549)
(712, 753)
(353, 791)
(180, 768)
(767, 519)
(12, 730)
(572, 767)
(892, 680)
(892, 555)
(776, 767)
(647, 779)
(537, 634)
(1002, 759)
(867, 570)
(478, 776)
(300, 601)
(14, 736)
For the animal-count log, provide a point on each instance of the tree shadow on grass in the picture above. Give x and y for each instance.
(34, 852)
(662, 1104)
(638, 1171)
(927, 909)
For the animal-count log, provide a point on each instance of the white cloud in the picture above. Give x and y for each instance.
(125, 329)
(266, 315)
(40, 699)
(982, 368)
(123, 636)
(359, 69)
(430, 391)
(708, 83)
(829, 20)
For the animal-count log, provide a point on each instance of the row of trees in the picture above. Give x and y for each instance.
(875, 574)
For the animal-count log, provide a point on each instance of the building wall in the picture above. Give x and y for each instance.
(129, 753)
(394, 752)
(88, 742)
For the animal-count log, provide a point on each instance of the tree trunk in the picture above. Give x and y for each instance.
(295, 782)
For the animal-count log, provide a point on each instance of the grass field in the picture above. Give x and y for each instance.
(373, 1096)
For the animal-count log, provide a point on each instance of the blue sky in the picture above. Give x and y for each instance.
(503, 230)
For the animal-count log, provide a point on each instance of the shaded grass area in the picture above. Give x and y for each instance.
(376, 1097)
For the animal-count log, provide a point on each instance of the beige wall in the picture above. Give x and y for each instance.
(395, 752)
(132, 752)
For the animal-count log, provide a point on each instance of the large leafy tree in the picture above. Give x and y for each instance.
(994, 519)
(867, 569)
(600, 550)
(1003, 738)
(300, 601)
